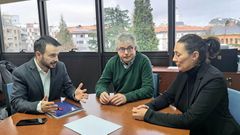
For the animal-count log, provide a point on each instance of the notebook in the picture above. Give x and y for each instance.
(65, 109)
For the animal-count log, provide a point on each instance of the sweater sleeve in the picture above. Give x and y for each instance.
(105, 79)
(205, 103)
(146, 89)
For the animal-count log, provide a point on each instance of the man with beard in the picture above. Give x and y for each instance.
(43, 79)
(130, 73)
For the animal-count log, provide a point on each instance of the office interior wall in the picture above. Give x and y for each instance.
(82, 67)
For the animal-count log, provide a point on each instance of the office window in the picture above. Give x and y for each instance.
(17, 22)
(231, 41)
(70, 20)
(146, 19)
(209, 18)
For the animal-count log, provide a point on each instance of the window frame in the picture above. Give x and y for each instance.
(43, 23)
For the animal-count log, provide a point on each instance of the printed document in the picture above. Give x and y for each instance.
(92, 125)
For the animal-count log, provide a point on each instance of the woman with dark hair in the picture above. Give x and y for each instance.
(199, 92)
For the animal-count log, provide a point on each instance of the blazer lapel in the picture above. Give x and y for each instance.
(36, 77)
(198, 81)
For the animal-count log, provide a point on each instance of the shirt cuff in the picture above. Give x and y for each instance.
(39, 109)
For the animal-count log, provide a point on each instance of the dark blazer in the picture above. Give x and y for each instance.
(208, 113)
(28, 88)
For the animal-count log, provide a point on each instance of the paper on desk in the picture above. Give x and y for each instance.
(92, 125)
(172, 67)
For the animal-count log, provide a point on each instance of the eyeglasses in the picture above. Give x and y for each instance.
(128, 49)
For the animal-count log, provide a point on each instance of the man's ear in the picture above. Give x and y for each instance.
(38, 54)
(195, 55)
(136, 47)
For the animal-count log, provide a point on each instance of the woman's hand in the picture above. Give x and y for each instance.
(139, 112)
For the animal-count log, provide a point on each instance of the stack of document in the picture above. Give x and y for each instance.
(92, 125)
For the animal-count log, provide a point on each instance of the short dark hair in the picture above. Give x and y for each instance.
(40, 44)
(207, 48)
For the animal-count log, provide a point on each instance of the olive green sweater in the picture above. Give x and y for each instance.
(135, 83)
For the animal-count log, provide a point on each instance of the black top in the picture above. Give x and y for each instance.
(183, 103)
(207, 111)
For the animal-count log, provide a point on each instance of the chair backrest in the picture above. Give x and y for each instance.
(234, 103)
(156, 82)
(7, 90)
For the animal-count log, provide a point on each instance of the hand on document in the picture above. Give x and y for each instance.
(47, 106)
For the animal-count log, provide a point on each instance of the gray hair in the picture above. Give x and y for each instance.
(126, 38)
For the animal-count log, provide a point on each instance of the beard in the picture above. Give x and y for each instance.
(48, 65)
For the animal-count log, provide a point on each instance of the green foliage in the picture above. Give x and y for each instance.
(93, 41)
(116, 21)
(143, 26)
(63, 36)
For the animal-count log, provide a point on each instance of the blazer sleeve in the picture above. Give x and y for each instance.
(167, 97)
(19, 96)
(210, 95)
